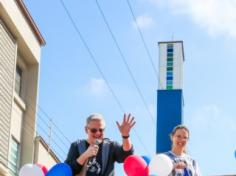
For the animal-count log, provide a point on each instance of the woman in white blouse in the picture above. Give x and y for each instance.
(183, 164)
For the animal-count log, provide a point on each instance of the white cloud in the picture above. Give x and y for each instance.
(97, 86)
(216, 16)
(143, 21)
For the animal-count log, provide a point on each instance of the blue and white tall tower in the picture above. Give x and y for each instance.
(169, 93)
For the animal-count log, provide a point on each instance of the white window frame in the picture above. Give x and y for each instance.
(14, 163)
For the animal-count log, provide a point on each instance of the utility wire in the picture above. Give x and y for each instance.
(29, 129)
(90, 53)
(46, 114)
(39, 116)
(58, 137)
(144, 44)
(125, 62)
(95, 62)
(142, 38)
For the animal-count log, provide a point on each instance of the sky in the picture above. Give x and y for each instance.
(90, 65)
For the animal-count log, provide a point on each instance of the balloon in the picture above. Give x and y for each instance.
(61, 169)
(43, 168)
(160, 165)
(135, 166)
(30, 170)
(147, 159)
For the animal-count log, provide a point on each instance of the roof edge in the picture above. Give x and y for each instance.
(31, 22)
(174, 41)
(52, 153)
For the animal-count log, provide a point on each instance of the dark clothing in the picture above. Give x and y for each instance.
(94, 165)
(115, 154)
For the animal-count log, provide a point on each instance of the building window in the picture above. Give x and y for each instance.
(14, 157)
(169, 87)
(169, 74)
(18, 80)
(170, 46)
(169, 66)
(169, 78)
(169, 55)
(169, 82)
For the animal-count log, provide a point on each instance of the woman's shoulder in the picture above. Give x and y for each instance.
(189, 157)
(184, 156)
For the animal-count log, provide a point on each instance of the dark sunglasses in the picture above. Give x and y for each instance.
(94, 130)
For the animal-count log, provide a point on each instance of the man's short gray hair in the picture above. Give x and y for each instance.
(95, 116)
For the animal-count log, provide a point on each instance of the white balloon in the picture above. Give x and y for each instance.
(31, 170)
(160, 165)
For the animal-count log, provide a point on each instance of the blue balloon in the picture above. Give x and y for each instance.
(235, 153)
(147, 159)
(61, 169)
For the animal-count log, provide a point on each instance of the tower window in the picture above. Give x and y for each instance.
(169, 68)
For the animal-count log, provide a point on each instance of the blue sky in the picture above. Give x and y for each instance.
(71, 86)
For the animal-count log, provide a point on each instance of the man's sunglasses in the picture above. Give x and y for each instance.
(94, 130)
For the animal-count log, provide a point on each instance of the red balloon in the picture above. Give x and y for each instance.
(43, 168)
(135, 166)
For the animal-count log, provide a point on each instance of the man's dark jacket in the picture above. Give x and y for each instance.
(115, 154)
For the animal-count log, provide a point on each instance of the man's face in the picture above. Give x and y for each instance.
(95, 130)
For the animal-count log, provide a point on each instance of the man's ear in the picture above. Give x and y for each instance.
(86, 129)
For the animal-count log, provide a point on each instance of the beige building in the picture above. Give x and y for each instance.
(43, 154)
(20, 47)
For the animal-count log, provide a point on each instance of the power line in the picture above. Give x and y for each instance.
(49, 126)
(33, 129)
(46, 114)
(142, 38)
(46, 133)
(95, 62)
(52, 148)
(144, 43)
(29, 129)
(124, 60)
(91, 54)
